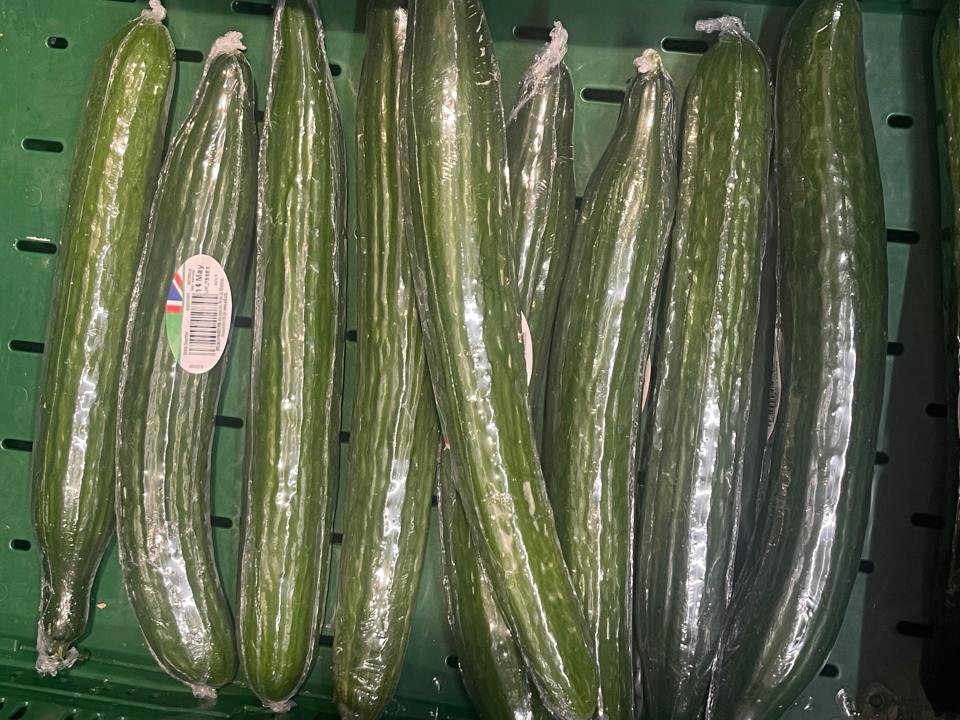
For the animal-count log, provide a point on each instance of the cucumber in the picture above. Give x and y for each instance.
(464, 275)
(296, 376)
(205, 205)
(700, 423)
(394, 439)
(597, 366)
(491, 665)
(540, 161)
(831, 333)
(119, 146)
(942, 653)
(542, 197)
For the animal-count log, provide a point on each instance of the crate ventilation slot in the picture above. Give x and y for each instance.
(344, 436)
(15, 444)
(453, 661)
(27, 346)
(578, 202)
(914, 629)
(532, 32)
(882, 458)
(927, 520)
(690, 46)
(899, 121)
(351, 335)
(221, 522)
(20, 544)
(434, 500)
(55, 42)
(903, 237)
(336, 70)
(242, 321)
(325, 641)
(602, 95)
(894, 349)
(336, 538)
(227, 421)
(936, 410)
(190, 56)
(830, 671)
(41, 145)
(251, 8)
(867, 567)
(19, 712)
(36, 245)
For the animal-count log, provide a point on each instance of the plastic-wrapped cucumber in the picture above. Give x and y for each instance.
(493, 670)
(942, 654)
(465, 278)
(542, 195)
(540, 150)
(193, 262)
(600, 350)
(296, 379)
(394, 440)
(789, 604)
(700, 425)
(119, 146)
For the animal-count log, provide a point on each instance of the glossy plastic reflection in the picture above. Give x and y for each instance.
(117, 161)
(394, 439)
(700, 420)
(814, 503)
(296, 379)
(465, 279)
(602, 345)
(205, 204)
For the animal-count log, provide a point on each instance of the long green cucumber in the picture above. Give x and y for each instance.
(542, 195)
(464, 274)
(600, 350)
(119, 146)
(700, 426)
(394, 439)
(832, 298)
(942, 654)
(540, 161)
(205, 205)
(493, 670)
(296, 377)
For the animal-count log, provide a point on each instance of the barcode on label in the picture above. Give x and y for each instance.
(203, 327)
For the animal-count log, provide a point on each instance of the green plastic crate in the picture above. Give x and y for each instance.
(47, 50)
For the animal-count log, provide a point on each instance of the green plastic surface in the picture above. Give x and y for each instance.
(47, 51)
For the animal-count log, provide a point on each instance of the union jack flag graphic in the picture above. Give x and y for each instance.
(175, 295)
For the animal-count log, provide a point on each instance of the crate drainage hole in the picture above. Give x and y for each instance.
(830, 671)
(532, 32)
(41, 145)
(867, 567)
(242, 321)
(899, 121)
(903, 237)
(927, 520)
(894, 349)
(27, 346)
(19, 712)
(691, 46)
(251, 8)
(36, 245)
(453, 661)
(20, 544)
(881, 458)
(190, 56)
(351, 335)
(227, 421)
(16, 444)
(55, 42)
(336, 538)
(602, 95)
(220, 522)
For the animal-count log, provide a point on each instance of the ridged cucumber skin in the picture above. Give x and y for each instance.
(542, 197)
(493, 670)
(601, 346)
(165, 420)
(465, 279)
(540, 162)
(700, 424)
(942, 654)
(832, 299)
(394, 439)
(296, 375)
(117, 161)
